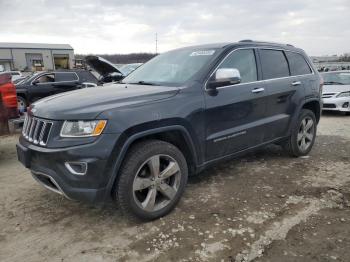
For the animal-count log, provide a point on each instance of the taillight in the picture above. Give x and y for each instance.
(8, 91)
(5, 78)
(321, 85)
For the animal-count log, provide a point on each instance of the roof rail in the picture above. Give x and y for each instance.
(262, 42)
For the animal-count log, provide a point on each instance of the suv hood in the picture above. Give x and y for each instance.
(101, 65)
(335, 88)
(88, 103)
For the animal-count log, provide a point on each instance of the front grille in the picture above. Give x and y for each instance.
(329, 106)
(328, 95)
(36, 130)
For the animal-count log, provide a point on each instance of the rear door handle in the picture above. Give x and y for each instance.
(296, 83)
(258, 90)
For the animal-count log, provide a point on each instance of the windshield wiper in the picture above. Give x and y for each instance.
(143, 83)
(333, 83)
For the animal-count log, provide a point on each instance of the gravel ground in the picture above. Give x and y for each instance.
(263, 207)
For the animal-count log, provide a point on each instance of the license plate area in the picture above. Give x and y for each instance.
(23, 155)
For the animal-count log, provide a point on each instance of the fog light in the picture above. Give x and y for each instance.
(346, 105)
(76, 168)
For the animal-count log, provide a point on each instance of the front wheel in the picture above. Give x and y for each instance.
(152, 179)
(303, 134)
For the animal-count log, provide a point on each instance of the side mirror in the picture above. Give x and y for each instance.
(225, 77)
(35, 82)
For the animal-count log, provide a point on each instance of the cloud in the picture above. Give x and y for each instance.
(96, 26)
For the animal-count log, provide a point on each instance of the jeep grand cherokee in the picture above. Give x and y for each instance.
(135, 142)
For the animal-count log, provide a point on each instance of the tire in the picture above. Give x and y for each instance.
(303, 134)
(142, 179)
(21, 104)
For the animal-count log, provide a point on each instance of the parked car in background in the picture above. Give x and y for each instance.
(336, 91)
(45, 84)
(19, 80)
(128, 68)
(107, 71)
(136, 141)
(15, 75)
(8, 102)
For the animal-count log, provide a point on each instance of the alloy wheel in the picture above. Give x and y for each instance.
(156, 182)
(21, 104)
(306, 133)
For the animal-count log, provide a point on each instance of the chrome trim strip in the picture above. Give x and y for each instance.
(34, 130)
(70, 169)
(58, 190)
(41, 135)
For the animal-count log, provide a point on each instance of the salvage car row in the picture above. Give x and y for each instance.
(17, 91)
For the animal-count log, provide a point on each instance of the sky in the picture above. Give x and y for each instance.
(108, 27)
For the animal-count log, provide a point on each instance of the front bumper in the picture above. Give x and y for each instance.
(48, 167)
(336, 104)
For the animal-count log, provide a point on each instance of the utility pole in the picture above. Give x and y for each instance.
(156, 43)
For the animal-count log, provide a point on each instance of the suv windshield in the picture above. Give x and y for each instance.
(171, 68)
(340, 78)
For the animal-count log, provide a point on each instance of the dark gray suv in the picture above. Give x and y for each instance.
(135, 142)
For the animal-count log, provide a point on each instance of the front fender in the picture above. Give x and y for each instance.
(124, 143)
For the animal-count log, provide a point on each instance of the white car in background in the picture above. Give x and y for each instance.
(336, 91)
(15, 75)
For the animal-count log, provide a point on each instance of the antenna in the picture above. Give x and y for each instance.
(156, 43)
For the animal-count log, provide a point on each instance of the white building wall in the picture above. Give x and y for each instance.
(5, 59)
(20, 61)
(5, 54)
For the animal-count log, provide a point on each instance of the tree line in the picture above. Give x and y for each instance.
(124, 58)
(344, 58)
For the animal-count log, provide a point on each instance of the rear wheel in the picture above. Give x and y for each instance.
(152, 180)
(303, 134)
(21, 104)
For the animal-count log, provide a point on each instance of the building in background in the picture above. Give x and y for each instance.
(35, 56)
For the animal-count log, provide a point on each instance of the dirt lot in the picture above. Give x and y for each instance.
(263, 207)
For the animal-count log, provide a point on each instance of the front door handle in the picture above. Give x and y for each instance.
(296, 83)
(258, 90)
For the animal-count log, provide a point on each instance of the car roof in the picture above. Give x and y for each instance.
(244, 43)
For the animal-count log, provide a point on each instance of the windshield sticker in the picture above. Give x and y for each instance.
(203, 52)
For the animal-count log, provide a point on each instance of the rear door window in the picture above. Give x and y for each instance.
(298, 65)
(66, 76)
(274, 64)
(244, 61)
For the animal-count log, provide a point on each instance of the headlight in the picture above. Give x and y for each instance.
(344, 94)
(82, 128)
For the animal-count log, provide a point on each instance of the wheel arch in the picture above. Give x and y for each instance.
(177, 135)
(314, 106)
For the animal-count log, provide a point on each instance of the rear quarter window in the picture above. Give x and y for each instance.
(298, 64)
(274, 64)
(86, 76)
